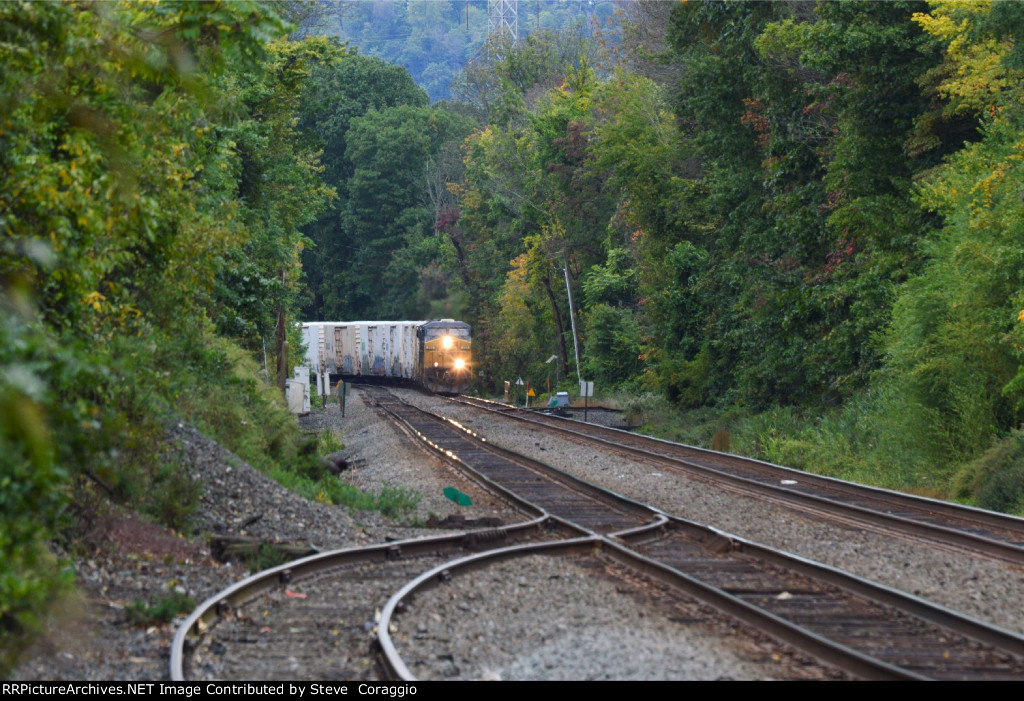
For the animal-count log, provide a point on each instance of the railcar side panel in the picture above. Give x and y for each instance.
(312, 337)
(435, 354)
(346, 353)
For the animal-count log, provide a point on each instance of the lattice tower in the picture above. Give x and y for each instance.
(503, 20)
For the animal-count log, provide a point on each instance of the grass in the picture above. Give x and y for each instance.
(162, 609)
(392, 501)
(266, 557)
(327, 442)
(173, 498)
(110, 404)
(849, 443)
(249, 417)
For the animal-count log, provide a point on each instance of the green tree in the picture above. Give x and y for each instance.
(279, 186)
(802, 117)
(953, 367)
(336, 93)
(117, 207)
(386, 228)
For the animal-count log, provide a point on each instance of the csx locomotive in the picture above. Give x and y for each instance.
(435, 354)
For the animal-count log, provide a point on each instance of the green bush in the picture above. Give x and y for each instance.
(266, 557)
(32, 491)
(174, 497)
(685, 382)
(996, 479)
(162, 609)
(613, 349)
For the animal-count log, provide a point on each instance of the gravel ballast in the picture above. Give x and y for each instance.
(128, 560)
(986, 589)
(558, 618)
(91, 639)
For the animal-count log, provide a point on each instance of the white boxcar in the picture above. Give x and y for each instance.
(363, 348)
(388, 349)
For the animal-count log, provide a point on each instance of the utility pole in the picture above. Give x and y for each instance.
(282, 341)
(572, 317)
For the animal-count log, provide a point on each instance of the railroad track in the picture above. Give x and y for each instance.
(967, 529)
(313, 618)
(868, 625)
(529, 483)
(863, 628)
(575, 610)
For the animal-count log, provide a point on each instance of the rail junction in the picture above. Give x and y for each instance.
(851, 626)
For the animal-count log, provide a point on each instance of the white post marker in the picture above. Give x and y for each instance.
(586, 391)
(302, 374)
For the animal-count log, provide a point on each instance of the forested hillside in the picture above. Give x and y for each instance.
(791, 220)
(153, 184)
(790, 226)
(434, 40)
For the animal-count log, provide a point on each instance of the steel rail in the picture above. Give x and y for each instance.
(936, 614)
(963, 540)
(623, 504)
(821, 648)
(221, 604)
(637, 535)
(877, 595)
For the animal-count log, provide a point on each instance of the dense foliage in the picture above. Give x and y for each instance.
(435, 39)
(783, 209)
(378, 137)
(798, 223)
(152, 183)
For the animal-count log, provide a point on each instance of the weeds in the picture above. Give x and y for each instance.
(392, 501)
(996, 478)
(174, 496)
(162, 610)
(327, 442)
(851, 443)
(266, 557)
(395, 502)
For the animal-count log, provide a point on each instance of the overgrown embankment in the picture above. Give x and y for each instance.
(152, 186)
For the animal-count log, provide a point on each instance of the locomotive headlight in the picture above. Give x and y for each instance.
(447, 342)
(460, 364)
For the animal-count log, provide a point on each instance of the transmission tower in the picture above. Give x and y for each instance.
(503, 20)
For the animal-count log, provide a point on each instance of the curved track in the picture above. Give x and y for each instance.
(866, 629)
(584, 610)
(308, 618)
(974, 530)
(750, 580)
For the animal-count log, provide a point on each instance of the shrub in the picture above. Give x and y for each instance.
(31, 485)
(174, 497)
(685, 382)
(266, 557)
(996, 479)
(163, 609)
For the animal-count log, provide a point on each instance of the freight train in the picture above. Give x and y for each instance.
(434, 354)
